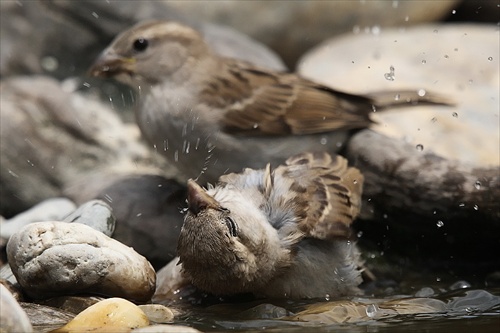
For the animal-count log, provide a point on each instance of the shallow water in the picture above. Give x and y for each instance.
(463, 310)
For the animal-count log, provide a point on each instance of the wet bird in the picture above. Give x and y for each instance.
(210, 114)
(281, 233)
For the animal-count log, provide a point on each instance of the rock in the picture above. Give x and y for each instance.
(53, 141)
(166, 329)
(96, 214)
(146, 208)
(158, 313)
(42, 316)
(425, 173)
(460, 62)
(59, 258)
(53, 209)
(38, 37)
(110, 315)
(292, 27)
(12, 317)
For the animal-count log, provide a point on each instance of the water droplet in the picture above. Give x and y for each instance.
(455, 49)
(421, 92)
(453, 11)
(446, 56)
(354, 181)
(407, 18)
(419, 147)
(327, 297)
(490, 58)
(397, 97)
(391, 75)
(424, 62)
(476, 207)
(374, 108)
(471, 81)
(94, 14)
(460, 285)
(138, 215)
(49, 63)
(438, 279)
(86, 84)
(376, 30)
(477, 185)
(356, 29)
(455, 115)
(323, 141)
(255, 125)
(425, 292)
(436, 31)
(433, 120)
(359, 234)
(108, 198)
(440, 224)
(371, 310)
(461, 204)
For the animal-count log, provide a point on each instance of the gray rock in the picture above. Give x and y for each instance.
(12, 316)
(428, 170)
(44, 317)
(59, 258)
(96, 214)
(459, 62)
(53, 141)
(38, 37)
(48, 210)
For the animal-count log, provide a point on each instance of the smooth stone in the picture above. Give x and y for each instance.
(166, 329)
(59, 258)
(158, 313)
(96, 214)
(457, 61)
(54, 209)
(12, 316)
(356, 311)
(109, 315)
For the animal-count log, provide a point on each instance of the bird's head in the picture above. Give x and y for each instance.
(151, 52)
(227, 247)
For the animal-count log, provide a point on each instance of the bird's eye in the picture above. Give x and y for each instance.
(232, 226)
(140, 44)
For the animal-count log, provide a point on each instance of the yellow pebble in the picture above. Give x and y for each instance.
(109, 315)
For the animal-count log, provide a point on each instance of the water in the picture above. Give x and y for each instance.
(461, 310)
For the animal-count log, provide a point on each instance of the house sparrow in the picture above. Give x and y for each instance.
(280, 233)
(211, 114)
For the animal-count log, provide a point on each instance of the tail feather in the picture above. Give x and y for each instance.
(389, 99)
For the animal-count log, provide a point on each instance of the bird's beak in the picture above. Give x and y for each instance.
(198, 198)
(109, 64)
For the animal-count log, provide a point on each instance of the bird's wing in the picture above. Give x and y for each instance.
(262, 102)
(323, 192)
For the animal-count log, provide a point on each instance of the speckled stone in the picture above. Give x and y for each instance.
(59, 258)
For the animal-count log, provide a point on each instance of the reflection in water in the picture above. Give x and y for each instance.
(462, 310)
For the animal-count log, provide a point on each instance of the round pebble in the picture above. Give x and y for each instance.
(109, 315)
(59, 258)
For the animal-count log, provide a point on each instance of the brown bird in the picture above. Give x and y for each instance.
(281, 233)
(211, 114)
